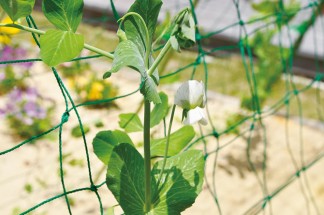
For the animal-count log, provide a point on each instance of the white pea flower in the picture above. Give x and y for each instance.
(192, 98)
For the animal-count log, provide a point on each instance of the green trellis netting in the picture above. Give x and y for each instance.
(276, 16)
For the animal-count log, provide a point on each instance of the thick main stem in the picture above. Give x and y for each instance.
(147, 155)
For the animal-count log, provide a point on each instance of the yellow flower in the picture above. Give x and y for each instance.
(4, 39)
(95, 92)
(6, 32)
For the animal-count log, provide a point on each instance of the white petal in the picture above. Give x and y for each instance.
(182, 96)
(190, 95)
(196, 93)
(195, 115)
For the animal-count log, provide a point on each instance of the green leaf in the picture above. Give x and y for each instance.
(105, 141)
(28, 188)
(180, 184)
(76, 131)
(17, 8)
(125, 178)
(130, 122)
(160, 110)
(178, 140)
(127, 54)
(301, 28)
(135, 32)
(150, 92)
(60, 46)
(265, 7)
(65, 15)
(149, 11)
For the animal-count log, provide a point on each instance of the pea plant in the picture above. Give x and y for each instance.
(166, 179)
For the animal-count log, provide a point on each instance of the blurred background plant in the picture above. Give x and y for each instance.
(13, 75)
(27, 113)
(90, 88)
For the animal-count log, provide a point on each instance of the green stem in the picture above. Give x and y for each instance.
(147, 155)
(159, 58)
(40, 32)
(99, 51)
(166, 145)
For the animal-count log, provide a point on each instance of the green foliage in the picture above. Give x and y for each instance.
(28, 188)
(149, 90)
(271, 58)
(231, 122)
(130, 122)
(11, 80)
(105, 141)
(17, 8)
(135, 31)
(183, 31)
(180, 185)
(65, 15)
(134, 49)
(76, 131)
(90, 89)
(59, 46)
(149, 11)
(128, 173)
(160, 110)
(178, 140)
(125, 178)
(266, 7)
(127, 54)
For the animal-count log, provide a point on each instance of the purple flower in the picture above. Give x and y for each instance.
(31, 94)
(15, 95)
(34, 111)
(2, 113)
(8, 53)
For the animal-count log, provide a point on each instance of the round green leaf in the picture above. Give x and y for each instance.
(180, 184)
(65, 15)
(60, 46)
(125, 178)
(178, 140)
(17, 8)
(105, 141)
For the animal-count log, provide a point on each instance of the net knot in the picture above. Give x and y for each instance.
(198, 60)
(297, 174)
(215, 134)
(198, 37)
(296, 92)
(93, 188)
(241, 22)
(65, 117)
